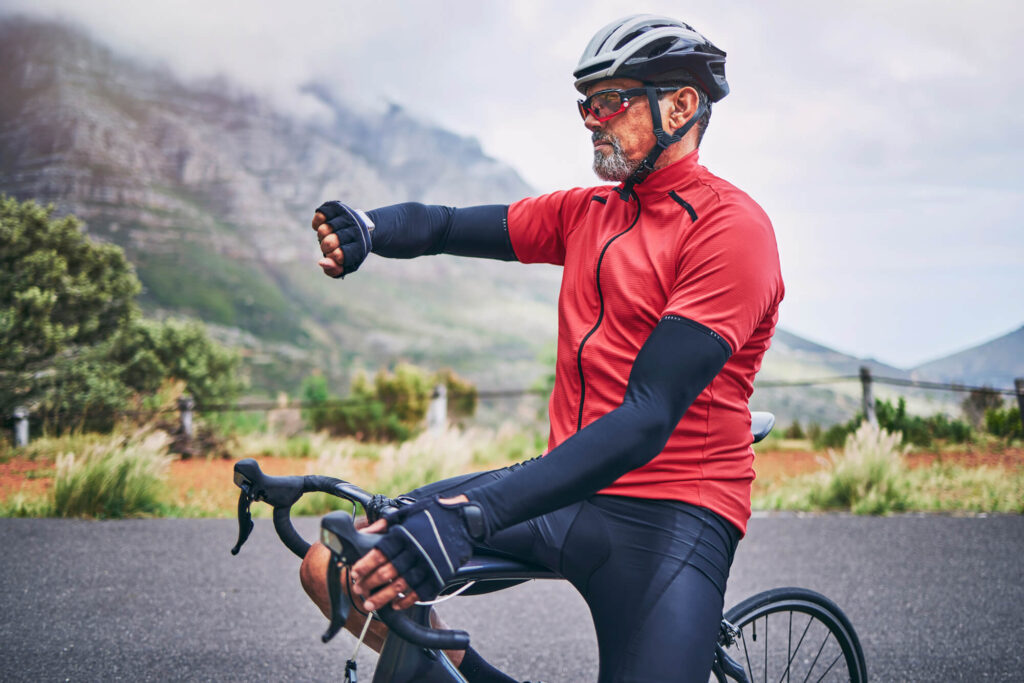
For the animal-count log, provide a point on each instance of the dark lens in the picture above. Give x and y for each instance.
(606, 103)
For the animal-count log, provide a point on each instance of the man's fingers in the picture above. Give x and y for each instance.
(329, 243)
(409, 598)
(324, 230)
(382, 576)
(318, 220)
(330, 267)
(368, 564)
(382, 597)
(378, 527)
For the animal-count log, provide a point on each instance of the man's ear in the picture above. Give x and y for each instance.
(683, 105)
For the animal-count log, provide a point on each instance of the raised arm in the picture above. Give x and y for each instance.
(409, 230)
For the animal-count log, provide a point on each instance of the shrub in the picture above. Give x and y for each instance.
(391, 408)
(1004, 423)
(979, 402)
(867, 477)
(916, 430)
(23, 505)
(794, 431)
(112, 481)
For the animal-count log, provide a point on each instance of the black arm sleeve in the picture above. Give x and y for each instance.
(411, 229)
(677, 361)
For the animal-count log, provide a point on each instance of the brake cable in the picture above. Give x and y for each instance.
(351, 673)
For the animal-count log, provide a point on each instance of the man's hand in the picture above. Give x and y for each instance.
(378, 580)
(345, 237)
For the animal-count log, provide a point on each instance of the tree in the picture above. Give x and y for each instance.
(148, 352)
(58, 291)
(979, 402)
(73, 344)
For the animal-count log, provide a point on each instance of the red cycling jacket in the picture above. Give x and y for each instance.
(688, 244)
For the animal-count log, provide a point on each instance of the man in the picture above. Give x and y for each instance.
(669, 298)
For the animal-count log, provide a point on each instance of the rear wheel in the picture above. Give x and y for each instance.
(794, 634)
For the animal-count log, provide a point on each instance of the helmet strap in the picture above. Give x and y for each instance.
(663, 142)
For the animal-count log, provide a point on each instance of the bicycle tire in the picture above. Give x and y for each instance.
(820, 624)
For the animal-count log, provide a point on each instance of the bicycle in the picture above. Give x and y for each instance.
(743, 652)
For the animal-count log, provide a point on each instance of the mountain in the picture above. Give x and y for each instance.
(792, 358)
(995, 363)
(210, 191)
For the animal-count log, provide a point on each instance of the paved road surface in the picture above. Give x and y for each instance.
(934, 599)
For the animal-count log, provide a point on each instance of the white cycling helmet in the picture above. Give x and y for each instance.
(656, 50)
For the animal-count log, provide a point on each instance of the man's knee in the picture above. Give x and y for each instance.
(313, 575)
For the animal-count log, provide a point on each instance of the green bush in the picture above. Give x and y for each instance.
(978, 402)
(72, 345)
(867, 477)
(124, 480)
(1004, 423)
(794, 431)
(22, 505)
(916, 430)
(391, 408)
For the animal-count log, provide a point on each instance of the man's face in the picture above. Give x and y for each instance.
(621, 142)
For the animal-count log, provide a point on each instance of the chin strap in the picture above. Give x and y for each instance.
(663, 142)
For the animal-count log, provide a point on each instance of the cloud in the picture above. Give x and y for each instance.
(883, 137)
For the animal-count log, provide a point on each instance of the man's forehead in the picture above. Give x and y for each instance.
(613, 83)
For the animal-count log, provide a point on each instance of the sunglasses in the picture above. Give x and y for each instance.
(607, 104)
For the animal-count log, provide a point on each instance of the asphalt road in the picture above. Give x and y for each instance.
(933, 598)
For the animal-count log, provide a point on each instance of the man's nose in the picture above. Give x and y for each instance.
(592, 123)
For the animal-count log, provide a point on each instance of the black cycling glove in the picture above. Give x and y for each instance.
(429, 540)
(353, 228)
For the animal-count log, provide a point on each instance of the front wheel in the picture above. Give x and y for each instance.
(795, 634)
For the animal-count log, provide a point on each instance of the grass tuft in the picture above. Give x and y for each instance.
(119, 478)
(870, 476)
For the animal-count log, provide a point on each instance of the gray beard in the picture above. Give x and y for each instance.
(613, 166)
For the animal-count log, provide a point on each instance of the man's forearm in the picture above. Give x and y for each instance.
(411, 229)
(678, 360)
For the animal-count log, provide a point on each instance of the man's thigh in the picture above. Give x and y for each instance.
(656, 599)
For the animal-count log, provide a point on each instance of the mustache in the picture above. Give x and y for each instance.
(601, 136)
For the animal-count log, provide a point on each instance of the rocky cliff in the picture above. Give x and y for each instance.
(210, 191)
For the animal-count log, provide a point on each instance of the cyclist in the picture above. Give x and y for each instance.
(670, 294)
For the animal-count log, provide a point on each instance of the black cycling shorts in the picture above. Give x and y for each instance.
(652, 572)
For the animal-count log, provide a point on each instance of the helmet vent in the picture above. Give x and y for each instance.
(593, 68)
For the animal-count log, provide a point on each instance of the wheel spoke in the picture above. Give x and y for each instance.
(766, 648)
(830, 667)
(828, 635)
(746, 652)
(837, 657)
(789, 644)
(790, 653)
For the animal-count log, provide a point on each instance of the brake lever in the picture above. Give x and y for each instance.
(339, 603)
(245, 524)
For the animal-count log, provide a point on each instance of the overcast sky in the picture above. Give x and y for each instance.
(885, 139)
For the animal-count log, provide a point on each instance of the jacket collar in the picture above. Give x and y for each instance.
(670, 177)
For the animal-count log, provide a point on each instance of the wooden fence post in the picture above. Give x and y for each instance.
(437, 412)
(1018, 384)
(868, 399)
(20, 426)
(186, 405)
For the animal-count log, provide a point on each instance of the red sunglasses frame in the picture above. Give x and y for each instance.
(626, 95)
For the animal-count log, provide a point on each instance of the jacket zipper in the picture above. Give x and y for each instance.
(600, 315)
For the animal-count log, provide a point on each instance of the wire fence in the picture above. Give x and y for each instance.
(187, 407)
